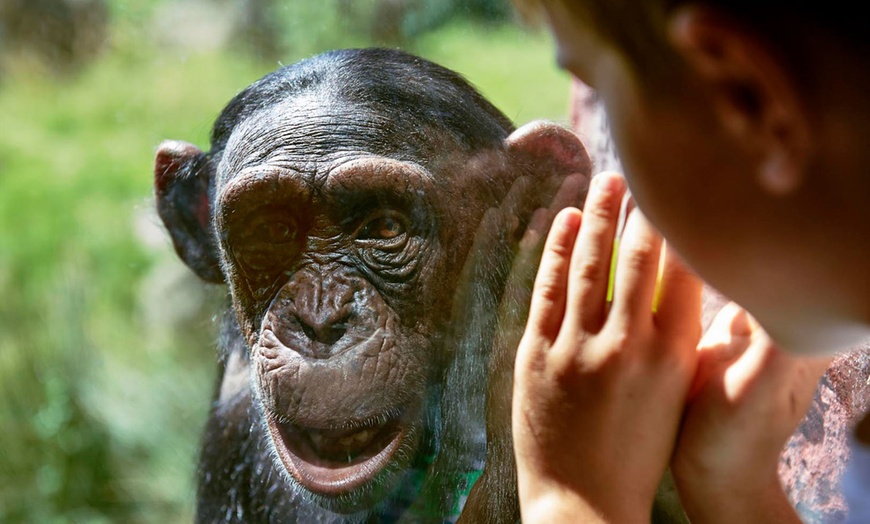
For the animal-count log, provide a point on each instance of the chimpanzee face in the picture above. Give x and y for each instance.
(339, 203)
(330, 258)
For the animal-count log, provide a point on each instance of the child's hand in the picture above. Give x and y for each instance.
(598, 394)
(747, 399)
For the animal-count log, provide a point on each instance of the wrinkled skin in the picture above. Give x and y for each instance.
(364, 208)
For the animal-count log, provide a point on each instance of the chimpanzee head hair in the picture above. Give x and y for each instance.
(429, 96)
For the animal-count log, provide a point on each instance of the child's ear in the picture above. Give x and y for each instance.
(183, 186)
(757, 99)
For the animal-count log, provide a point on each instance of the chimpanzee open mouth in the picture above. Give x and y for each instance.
(332, 462)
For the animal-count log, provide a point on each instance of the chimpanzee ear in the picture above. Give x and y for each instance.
(183, 185)
(547, 150)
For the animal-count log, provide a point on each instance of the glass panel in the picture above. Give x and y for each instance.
(365, 222)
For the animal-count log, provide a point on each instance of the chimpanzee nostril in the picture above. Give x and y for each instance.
(316, 310)
(328, 334)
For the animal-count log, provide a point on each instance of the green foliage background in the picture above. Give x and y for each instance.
(106, 341)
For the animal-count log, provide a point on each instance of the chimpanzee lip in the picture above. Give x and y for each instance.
(332, 462)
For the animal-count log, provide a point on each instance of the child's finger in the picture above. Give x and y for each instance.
(677, 303)
(777, 371)
(569, 193)
(724, 341)
(516, 197)
(636, 271)
(548, 298)
(590, 262)
(515, 301)
(730, 321)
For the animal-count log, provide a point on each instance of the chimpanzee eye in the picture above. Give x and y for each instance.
(384, 227)
(274, 232)
(267, 242)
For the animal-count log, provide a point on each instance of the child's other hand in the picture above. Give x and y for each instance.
(747, 399)
(598, 394)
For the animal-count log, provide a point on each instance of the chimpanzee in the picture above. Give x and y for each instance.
(365, 208)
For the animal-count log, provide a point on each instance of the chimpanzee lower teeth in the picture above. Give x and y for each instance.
(348, 444)
(357, 438)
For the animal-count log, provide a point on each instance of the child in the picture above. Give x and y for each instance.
(740, 127)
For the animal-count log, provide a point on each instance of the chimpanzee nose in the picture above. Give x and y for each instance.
(314, 311)
(326, 331)
(311, 331)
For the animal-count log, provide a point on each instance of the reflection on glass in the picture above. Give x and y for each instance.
(108, 342)
(376, 231)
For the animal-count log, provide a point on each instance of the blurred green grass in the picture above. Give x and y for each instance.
(106, 342)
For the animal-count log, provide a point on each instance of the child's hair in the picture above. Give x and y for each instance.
(638, 28)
